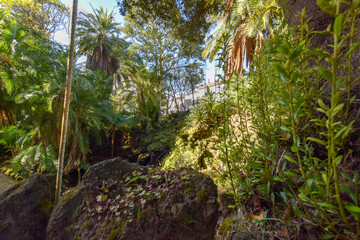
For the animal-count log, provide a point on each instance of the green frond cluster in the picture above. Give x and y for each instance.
(98, 37)
(240, 33)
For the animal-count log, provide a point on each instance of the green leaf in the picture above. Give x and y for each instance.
(339, 24)
(327, 205)
(299, 102)
(284, 94)
(327, 236)
(338, 160)
(290, 159)
(338, 134)
(329, 60)
(319, 141)
(322, 110)
(283, 50)
(295, 53)
(326, 6)
(303, 196)
(353, 208)
(133, 179)
(337, 109)
(280, 70)
(345, 188)
(352, 49)
(294, 149)
(339, 82)
(282, 102)
(346, 133)
(325, 73)
(101, 197)
(319, 53)
(285, 128)
(324, 177)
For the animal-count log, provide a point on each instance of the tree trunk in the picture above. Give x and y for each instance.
(192, 92)
(182, 102)
(70, 64)
(113, 141)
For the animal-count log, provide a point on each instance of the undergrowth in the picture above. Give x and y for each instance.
(282, 132)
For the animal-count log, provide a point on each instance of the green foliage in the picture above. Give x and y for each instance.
(46, 16)
(286, 128)
(32, 76)
(36, 158)
(98, 38)
(190, 19)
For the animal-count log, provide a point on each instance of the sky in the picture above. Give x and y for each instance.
(84, 5)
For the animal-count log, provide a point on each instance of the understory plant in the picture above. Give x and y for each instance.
(286, 128)
(311, 124)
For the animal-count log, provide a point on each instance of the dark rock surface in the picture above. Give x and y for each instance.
(188, 212)
(120, 200)
(226, 201)
(25, 209)
(65, 214)
(243, 236)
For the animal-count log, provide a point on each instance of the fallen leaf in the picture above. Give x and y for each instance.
(256, 217)
(283, 232)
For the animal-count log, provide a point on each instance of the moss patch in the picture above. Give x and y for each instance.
(69, 194)
(225, 228)
(46, 206)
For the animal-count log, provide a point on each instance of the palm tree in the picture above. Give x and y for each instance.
(98, 38)
(244, 24)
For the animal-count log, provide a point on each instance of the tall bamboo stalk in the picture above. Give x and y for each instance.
(70, 65)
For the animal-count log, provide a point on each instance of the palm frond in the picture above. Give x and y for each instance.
(243, 26)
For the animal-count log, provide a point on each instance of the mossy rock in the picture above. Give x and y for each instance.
(142, 204)
(65, 215)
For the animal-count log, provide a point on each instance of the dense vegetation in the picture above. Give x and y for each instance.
(282, 137)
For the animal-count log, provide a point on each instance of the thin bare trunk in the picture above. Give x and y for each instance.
(113, 141)
(176, 104)
(192, 92)
(70, 64)
(182, 102)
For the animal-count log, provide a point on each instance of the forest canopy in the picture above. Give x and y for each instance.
(190, 19)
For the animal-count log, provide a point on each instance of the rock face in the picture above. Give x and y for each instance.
(120, 200)
(25, 209)
(66, 213)
(226, 200)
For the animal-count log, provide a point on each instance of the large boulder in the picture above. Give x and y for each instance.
(25, 209)
(136, 203)
(66, 213)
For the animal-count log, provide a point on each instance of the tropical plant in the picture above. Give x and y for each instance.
(243, 26)
(98, 38)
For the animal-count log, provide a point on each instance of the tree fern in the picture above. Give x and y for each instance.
(36, 158)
